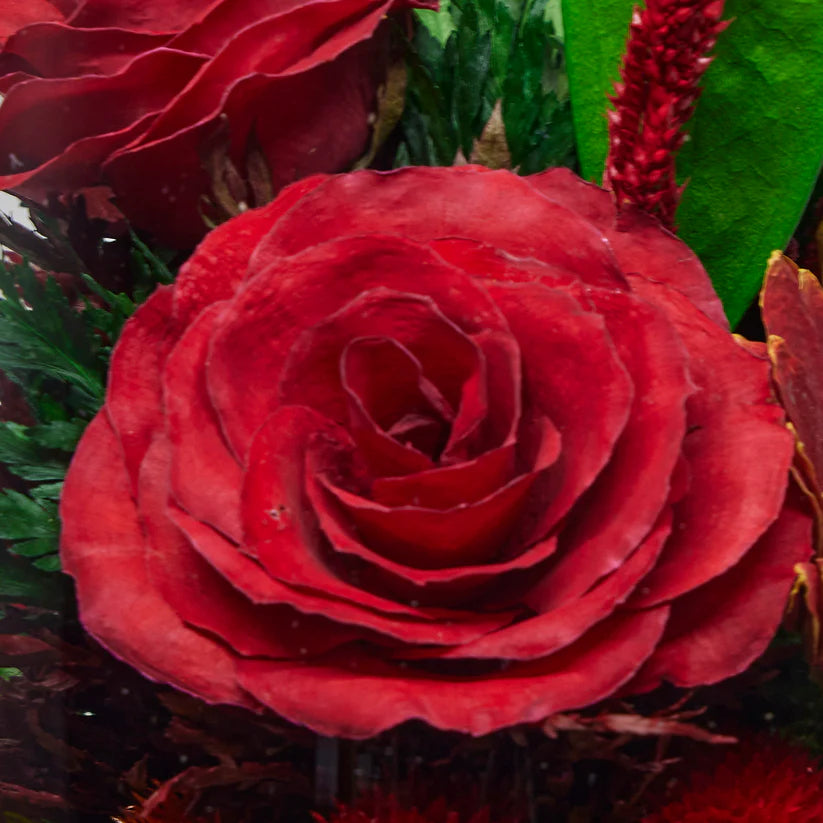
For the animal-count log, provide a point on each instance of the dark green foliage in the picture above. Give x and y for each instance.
(150, 270)
(56, 347)
(44, 338)
(493, 49)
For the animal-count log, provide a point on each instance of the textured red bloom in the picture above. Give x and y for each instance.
(438, 444)
(754, 784)
(173, 103)
(666, 56)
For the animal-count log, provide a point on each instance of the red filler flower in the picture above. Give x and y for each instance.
(439, 443)
(774, 784)
(664, 61)
(388, 810)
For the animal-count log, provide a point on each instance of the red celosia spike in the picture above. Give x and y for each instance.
(664, 61)
(760, 782)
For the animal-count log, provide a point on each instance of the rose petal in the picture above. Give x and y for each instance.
(16, 14)
(583, 389)
(546, 633)
(355, 695)
(311, 373)
(639, 242)
(56, 50)
(292, 40)
(445, 487)
(324, 90)
(614, 516)
(282, 529)
(307, 288)
(719, 629)
(497, 208)
(412, 624)
(138, 15)
(734, 422)
(219, 266)
(468, 534)
(40, 119)
(204, 599)
(102, 541)
(134, 400)
(205, 478)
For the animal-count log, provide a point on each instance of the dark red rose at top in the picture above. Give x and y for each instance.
(438, 444)
(173, 104)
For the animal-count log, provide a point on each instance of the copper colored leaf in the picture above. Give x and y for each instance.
(792, 308)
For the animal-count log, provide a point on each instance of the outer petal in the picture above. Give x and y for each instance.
(102, 542)
(641, 245)
(134, 400)
(719, 629)
(340, 91)
(497, 208)
(354, 695)
(219, 264)
(734, 422)
(205, 477)
(57, 50)
(140, 15)
(40, 119)
(19, 13)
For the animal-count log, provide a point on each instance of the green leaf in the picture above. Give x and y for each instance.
(35, 548)
(439, 23)
(756, 143)
(458, 70)
(19, 581)
(108, 321)
(595, 36)
(41, 332)
(9, 673)
(47, 491)
(756, 140)
(22, 517)
(23, 456)
(59, 434)
(48, 563)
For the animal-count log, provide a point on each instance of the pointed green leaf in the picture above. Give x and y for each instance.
(595, 34)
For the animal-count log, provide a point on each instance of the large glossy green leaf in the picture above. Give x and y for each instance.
(756, 141)
(594, 37)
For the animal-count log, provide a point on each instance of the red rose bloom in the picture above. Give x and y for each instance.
(158, 99)
(437, 444)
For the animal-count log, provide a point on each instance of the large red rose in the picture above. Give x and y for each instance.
(170, 103)
(438, 444)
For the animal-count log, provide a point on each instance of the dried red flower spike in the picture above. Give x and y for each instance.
(664, 61)
(754, 784)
